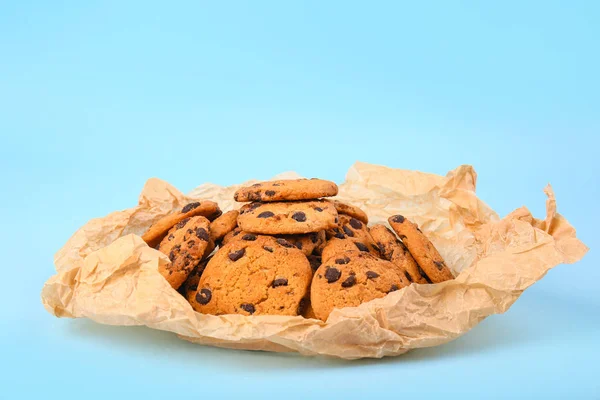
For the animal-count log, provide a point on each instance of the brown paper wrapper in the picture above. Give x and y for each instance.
(105, 271)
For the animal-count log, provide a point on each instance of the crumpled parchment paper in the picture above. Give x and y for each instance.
(105, 271)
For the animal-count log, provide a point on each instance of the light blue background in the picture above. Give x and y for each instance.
(96, 97)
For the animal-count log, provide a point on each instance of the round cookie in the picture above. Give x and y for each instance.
(285, 190)
(349, 209)
(421, 248)
(287, 217)
(185, 244)
(257, 275)
(159, 229)
(335, 246)
(351, 279)
(224, 224)
(394, 250)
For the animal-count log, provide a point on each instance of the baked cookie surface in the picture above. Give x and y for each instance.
(421, 248)
(254, 276)
(350, 279)
(159, 229)
(285, 190)
(185, 245)
(287, 217)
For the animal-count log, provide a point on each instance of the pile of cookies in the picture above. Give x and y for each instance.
(290, 251)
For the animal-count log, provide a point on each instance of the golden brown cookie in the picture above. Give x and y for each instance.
(335, 246)
(349, 209)
(351, 279)
(160, 228)
(290, 217)
(286, 190)
(254, 276)
(421, 248)
(224, 224)
(392, 249)
(185, 244)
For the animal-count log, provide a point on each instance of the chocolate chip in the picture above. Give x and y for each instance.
(190, 207)
(254, 196)
(302, 306)
(270, 193)
(361, 246)
(336, 220)
(236, 255)
(339, 235)
(318, 209)
(377, 247)
(172, 256)
(202, 234)
(410, 279)
(332, 274)
(344, 260)
(265, 214)
(393, 288)
(257, 185)
(191, 243)
(284, 243)
(349, 282)
(299, 216)
(277, 184)
(439, 264)
(423, 274)
(203, 296)
(182, 223)
(250, 207)
(348, 231)
(298, 244)
(356, 224)
(314, 237)
(193, 288)
(398, 218)
(315, 262)
(171, 237)
(279, 282)
(249, 308)
(267, 248)
(249, 236)
(372, 275)
(236, 232)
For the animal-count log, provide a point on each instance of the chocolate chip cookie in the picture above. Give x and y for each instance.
(353, 211)
(287, 217)
(224, 224)
(421, 248)
(159, 229)
(350, 279)
(254, 276)
(280, 190)
(185, 244)
(394, 250)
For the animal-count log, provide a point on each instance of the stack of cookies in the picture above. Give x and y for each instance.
(290, 251)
